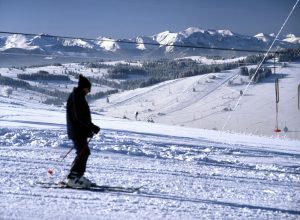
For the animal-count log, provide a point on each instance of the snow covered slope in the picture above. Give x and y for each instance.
(207, 101)
(204, 101)
(186, 173)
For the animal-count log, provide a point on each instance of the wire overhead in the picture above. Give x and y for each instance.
(260, 64)
(141, 43)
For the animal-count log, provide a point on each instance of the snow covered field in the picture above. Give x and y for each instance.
(186, 173)
(208, 101)
(205, 101)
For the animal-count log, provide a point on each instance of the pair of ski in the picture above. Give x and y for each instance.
(93, 188)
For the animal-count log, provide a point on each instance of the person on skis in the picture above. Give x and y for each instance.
(80, 128)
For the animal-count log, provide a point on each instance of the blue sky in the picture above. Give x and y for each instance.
(131, 18)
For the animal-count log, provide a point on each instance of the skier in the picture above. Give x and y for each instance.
(80, 128)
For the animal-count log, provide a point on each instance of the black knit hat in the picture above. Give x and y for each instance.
(84, 82)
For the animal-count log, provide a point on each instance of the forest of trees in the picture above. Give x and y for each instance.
(125, 76)
(123, 71)
(289, 55)
(7, 81)
(43, 76)
(153, 72)
(262, 73)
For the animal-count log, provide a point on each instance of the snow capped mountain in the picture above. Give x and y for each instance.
(264, 37)
(78, 43)
(107, 44)
(18, 41)
(189, 31)
(159, 45)
(144, 41)
(291, 38)
(225, 32)
(44, 41)
(168, 38)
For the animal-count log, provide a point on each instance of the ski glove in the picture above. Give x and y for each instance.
(95, 129)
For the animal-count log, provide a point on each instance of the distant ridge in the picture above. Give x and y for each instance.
(158, 45)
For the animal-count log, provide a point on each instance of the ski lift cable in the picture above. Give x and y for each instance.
(259, 65)
(140, 43)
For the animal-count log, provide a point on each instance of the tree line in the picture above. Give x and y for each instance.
(149, 73)
(289, 55)
(153, 72)
(42, 75)
(262, 73)
(4, 80)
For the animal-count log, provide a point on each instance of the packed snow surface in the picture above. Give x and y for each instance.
(185, 173)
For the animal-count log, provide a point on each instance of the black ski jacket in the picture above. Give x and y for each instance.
(79, 122)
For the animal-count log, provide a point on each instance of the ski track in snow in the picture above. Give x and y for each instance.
(187, 103)
(144, 93)
(182, 178)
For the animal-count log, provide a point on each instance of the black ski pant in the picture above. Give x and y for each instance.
(83, 152)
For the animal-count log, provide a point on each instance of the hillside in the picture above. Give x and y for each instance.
(204, 101)
(185, 173)
(207, 101)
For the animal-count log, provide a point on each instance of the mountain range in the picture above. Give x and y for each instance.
(159, 45)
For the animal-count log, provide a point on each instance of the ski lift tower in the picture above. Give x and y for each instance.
(299, 97)
(277, 101)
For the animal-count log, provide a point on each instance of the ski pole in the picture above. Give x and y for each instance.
(72, 149)
(67, 154)
(50, 170)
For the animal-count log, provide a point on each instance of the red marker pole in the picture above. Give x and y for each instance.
(277, 101)
(299, 97)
